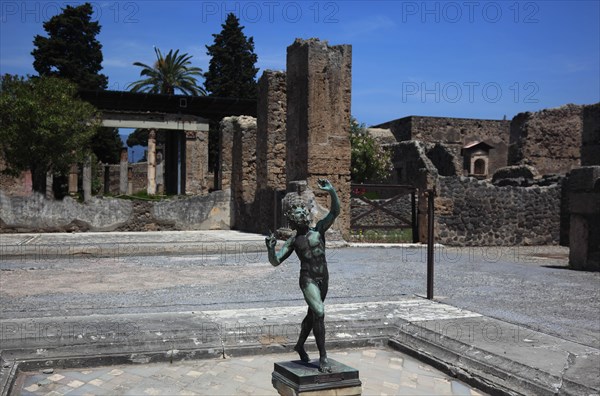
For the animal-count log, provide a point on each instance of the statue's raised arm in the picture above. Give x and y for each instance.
(276, 258)
(324, 224)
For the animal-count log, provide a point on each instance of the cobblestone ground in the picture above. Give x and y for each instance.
(382, 371)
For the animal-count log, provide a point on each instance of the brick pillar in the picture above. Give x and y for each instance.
(123, 175)
(196, 162)
(151, 185)
(73, 174)
(270, 145)
(319, 79)
(226, 130)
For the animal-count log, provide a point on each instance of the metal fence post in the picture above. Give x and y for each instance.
(430, 242)
(415, 218)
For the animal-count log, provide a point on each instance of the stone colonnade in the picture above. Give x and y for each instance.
(186, 170)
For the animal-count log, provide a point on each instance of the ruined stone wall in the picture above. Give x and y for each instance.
(37, 214)
(139, 177)
(114, 172)
(238, 167)
(590, 140)
(469, 212)
(454, 133)
(549, 140)
(319, 79)
(270, 146)
(196, 162)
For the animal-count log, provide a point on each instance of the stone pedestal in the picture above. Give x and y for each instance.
(296, 377)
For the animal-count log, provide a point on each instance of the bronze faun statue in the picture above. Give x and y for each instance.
(309, 244)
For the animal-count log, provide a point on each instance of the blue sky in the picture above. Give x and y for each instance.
(476, 59)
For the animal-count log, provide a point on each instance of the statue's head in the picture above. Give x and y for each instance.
(298, 215)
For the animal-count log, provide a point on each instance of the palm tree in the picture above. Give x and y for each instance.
(168, 74)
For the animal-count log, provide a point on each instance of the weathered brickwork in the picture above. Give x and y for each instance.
(470, 212)
(549, 140)
(454, 133)
(270, 145)
(319, 80)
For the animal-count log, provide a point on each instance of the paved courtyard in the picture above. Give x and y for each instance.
(382, 371)
(519, 312)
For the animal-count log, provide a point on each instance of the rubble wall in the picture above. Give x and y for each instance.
(469, 212)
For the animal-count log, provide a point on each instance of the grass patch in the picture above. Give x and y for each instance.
(399, 235)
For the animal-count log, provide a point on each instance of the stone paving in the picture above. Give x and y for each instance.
(382, 372)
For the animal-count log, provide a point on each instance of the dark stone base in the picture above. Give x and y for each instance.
(296, 377)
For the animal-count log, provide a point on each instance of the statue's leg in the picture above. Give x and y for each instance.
(312, 295)
(307, 325)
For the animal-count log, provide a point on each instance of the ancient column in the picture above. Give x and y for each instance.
(49, 185)
(129, 180)
(151, 187)
(319, 80)
(196, 162)
(123, 172)
(270, 146)
(87, 178)
(160, 172)
(73, 173)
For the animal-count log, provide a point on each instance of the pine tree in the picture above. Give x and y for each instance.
(231, 71)
(71, 50)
